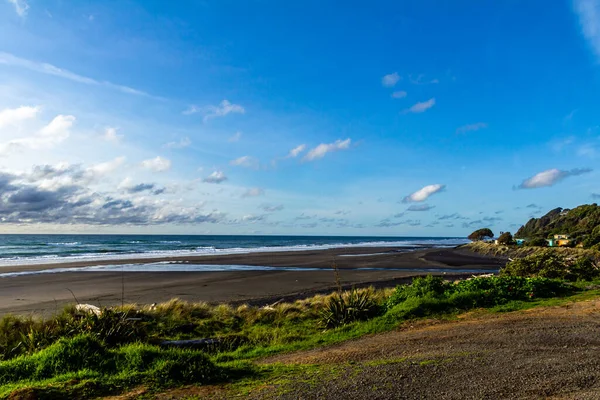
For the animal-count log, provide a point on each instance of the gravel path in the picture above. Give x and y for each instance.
(541, 353)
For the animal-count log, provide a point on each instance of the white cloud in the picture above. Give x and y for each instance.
(111, 135)
(424, 193)
(215, 177)
(588, 12)
(324, 148)
(471, 127)
(235, 138)
(157, 164)
(13, 116)
(50, 135)
(295, 152)
(390, 80)
(184, 142)
(245, 161)
(421, 107)
(21, 7)
(49, 69)
(224, 108)
(253, 218)
(550, 177)
(253, 192)
(400, 94)
(107, 167)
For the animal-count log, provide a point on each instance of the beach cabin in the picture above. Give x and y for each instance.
(520, 242)
(559, 241)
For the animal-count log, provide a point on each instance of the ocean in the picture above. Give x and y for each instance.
(46, 249)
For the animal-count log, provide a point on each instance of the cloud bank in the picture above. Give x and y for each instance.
(550, 177)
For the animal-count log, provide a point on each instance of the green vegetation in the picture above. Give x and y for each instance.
(85, 359)
(344, 308)
(581, 223)
(551, 264)
(83, 356)
(505, 238)
(481, 234)
(433, 294)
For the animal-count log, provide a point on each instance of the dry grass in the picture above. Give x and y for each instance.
(490, 249)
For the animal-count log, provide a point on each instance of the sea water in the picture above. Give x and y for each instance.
(49, 249)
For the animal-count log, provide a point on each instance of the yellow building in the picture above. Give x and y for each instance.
(561, 240)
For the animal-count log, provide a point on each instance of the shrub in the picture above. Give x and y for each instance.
(112, 326)
(537, 242)
(549, 264)
(344, 308)
(416, 300)
(429, 286)
(506, 238)
(481, 234)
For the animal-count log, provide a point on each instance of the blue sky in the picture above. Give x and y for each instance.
(388, 118)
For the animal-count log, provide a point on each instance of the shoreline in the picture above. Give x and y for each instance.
(344, 257)
(45, 294)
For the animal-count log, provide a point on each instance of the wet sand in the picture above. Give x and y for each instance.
(46, 293)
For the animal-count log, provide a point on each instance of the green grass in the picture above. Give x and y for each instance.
(86, 356)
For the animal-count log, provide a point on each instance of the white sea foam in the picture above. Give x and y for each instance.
(210, 250)
(166, 266)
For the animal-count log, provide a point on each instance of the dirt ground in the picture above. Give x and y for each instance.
(540, 353)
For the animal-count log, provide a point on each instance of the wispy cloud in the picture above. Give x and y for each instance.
(235, 138)
(222, 109)
(21, 7)
(471, 127)
(253, 192)
(324, 148)
(110, 135)
(588, 12)
(157, 164)
(245, 161)
(420, 207)
(420, 80)
(424, 193)
(271, 207)
(390, 80)
(400, 94)
(107, 167)
(182, 143)
(420, 107)
(49, 69)
(587, 150)
(215, 177)
(295, 152)
(559, 144)
(550, 177)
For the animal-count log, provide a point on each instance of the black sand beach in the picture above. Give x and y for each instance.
(46, 293)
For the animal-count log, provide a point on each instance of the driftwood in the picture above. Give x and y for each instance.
(191, 343)
(88, 309)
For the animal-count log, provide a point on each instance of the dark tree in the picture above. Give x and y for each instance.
(505, 238)
(481, 234)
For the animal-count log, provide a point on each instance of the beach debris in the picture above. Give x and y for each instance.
(480, 276)
(88, 309)
(271, 306)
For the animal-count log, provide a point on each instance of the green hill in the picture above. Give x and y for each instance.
(582, 223)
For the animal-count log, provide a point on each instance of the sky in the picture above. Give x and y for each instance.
(412, 118)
